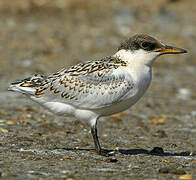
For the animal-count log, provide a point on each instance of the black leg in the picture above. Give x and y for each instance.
(98, 148)
(95, 138)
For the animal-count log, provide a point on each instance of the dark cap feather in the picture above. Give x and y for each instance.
(141, 41)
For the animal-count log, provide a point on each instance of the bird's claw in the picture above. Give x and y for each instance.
(107, 153)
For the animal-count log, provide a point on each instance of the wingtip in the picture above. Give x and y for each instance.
(9, 88)
(23, 90)
(16, 82)
(12, 87)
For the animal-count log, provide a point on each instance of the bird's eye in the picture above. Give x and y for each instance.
(148, 46)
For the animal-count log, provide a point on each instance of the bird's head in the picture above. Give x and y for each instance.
(145, 49)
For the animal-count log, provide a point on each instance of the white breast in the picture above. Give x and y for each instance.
(142, 81)
(140, 70)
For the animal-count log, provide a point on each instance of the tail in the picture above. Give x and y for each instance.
(29, 85)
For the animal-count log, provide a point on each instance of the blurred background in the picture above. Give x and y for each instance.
(43, 36)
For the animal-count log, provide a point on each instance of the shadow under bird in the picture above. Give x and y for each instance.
(92, 89)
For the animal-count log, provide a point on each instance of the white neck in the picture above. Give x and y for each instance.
(137, 57)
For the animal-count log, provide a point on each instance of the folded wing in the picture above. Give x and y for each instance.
(93, 90)
(90, 85)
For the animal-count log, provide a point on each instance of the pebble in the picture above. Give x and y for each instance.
(39, 173)
(112, 160)
(103, 169)
(171, 170)
(3, 120)
(160, 134)
(184, 93)
(186, 176)
(157, 150)
(3, 130)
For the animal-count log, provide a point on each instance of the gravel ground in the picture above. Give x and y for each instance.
(155, 139)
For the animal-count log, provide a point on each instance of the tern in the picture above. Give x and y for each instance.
(92, 89)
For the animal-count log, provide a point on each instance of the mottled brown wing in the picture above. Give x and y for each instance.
(92, 90)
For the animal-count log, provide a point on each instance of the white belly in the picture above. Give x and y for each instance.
(142, 84)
